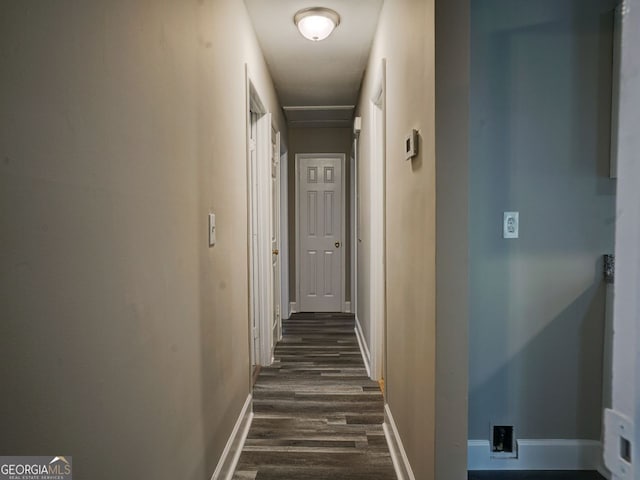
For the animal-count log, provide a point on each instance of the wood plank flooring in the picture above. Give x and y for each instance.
(317, 414)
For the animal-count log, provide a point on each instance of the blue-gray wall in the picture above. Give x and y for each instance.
(539, 144)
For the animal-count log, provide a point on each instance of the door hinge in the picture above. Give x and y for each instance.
(255, 332)
(252, 144)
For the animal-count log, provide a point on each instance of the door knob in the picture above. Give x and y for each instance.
(337, 244)
(276, 252)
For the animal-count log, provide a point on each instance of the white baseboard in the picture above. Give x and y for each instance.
(364, 350)
(604, 471)
(545, 454)
(231, 453)
(346, 307)
(293, 308)
(398, 455)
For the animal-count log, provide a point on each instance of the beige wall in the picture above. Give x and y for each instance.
(405, 37)
(452, 237)
(317, 140)
(122, 124)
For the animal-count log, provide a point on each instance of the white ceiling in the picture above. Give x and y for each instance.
(315, 74)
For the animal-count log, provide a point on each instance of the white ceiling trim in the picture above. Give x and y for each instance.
(292, 108)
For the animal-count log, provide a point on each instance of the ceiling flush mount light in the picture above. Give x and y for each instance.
(316, 23)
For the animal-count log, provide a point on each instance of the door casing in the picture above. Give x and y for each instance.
(377, 225)
(284, 235)
(259, 225)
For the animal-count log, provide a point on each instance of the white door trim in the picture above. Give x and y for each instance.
(341, 157)
(284, 234)
(377, 295)
(622, 422)
(253, 103)
(353, 304)
(259, 258)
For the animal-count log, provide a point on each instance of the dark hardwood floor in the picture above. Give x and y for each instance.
(317, 414)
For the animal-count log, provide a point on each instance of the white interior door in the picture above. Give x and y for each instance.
(276, 325)
(264, 273)
(260, 228)
(320, 232)
(254, 265)
(264, 295)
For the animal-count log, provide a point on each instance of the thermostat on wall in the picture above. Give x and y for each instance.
(411, 145)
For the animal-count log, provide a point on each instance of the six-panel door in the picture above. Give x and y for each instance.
(320, 233)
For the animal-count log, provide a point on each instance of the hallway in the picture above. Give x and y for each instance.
(317, 415)
(473, 185)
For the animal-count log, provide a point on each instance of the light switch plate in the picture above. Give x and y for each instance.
(511, 225)
(212, 229)
(618, 431)
(411, 145)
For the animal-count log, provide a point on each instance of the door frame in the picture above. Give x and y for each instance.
(284, 233)
(622, 421)
(353, 230)
(378, 256)
(343, 269)
(259, 271)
